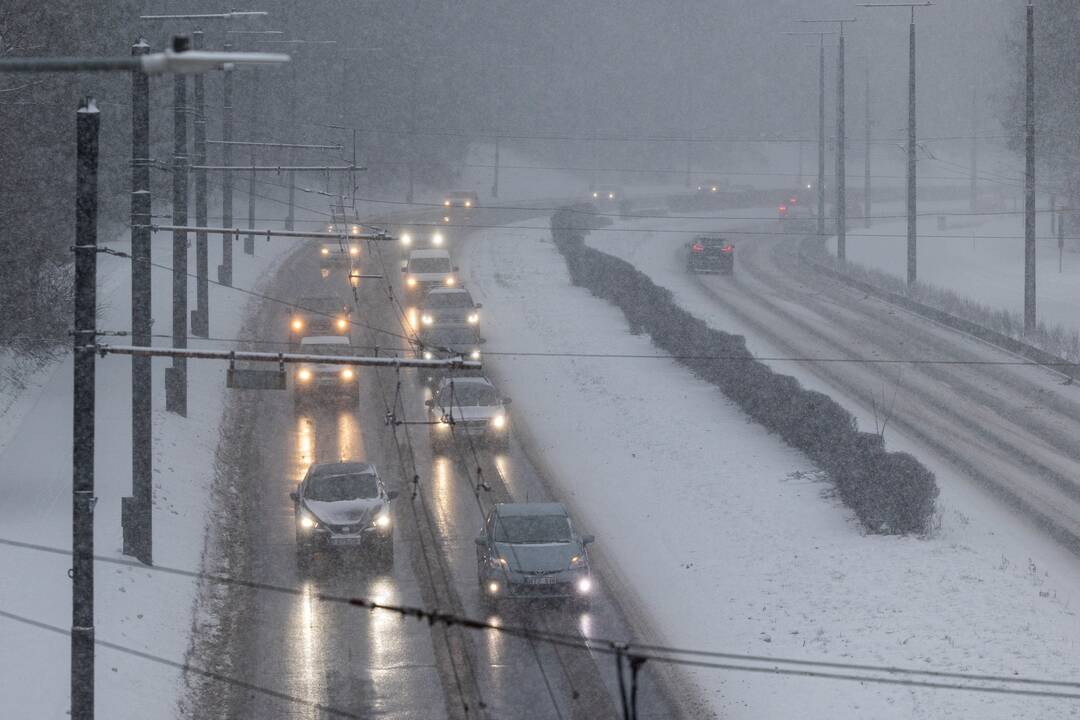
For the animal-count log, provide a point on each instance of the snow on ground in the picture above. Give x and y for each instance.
(981, 257)
(730, 538)
(136, 607)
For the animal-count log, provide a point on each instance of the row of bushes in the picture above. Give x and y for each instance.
(889, 492)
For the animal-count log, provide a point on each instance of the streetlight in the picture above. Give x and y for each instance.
(911, 199)
(821, 126)
(841, 174)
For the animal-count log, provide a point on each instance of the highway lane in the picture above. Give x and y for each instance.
(353, 663)
(1011, 428)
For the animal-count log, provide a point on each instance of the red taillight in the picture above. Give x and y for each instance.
(727, 249)
(782, 209)
(697, 247)
(793, 200)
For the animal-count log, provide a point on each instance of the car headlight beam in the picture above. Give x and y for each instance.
(307, 522)
(347, 374)
(410, 281)
(473, 318)
(584, 585)
(498, 422)
(382, 520)
(303, 375)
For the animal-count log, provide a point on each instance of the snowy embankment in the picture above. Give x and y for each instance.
(729, 538)
(136, 607)
(978, 257)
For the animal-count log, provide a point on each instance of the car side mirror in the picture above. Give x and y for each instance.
(481, 541)
(479, 306)
(391, 495)
(587, 539)
(295, 496)
(404, 268)
(507, 401)
(430, 403)
(483, 341)
(456, 268)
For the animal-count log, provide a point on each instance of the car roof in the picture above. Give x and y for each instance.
(530, 509)
(467, 380)
(429, 253)
(325, 340)
(342, 468)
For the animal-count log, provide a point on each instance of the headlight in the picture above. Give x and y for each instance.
(354, 251)
(329, 228)
(347, 374)
(437, 239)
(493, 588)
(498, 422)
(444, 424)
(584, 586)
(427, 355)
(410, 281)
(304, 375)
(326, 251)
(446, 203)
(578, 561)
(355, 229)
(450, 280)
(307, 522)
(342, 323)
(474, 355)
(611, 196)
(382, 520)
(427, 319)
(446, 218)
(497, 562)
(297, 324)
(596, 195)
(406, 239)
(468, 203)
(473, 318)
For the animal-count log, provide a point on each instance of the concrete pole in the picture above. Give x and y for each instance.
(1029, 179)
(821, 139)
(841, 170)
(176, 376)
(200, 318)
(912, 214)
(225, 272)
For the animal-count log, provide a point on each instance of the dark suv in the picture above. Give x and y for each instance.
(710, 255)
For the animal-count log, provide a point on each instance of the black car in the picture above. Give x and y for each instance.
(319, 316)
(710, 255)
(343, 506)
(449, 341)
(449, 305)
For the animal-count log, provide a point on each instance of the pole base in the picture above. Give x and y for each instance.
(134, 521)
(249, 245)
(176, 391)
(224, 275)
(200, 323)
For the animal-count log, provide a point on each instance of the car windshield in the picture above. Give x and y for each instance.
(335, 488)
(429, 265)
(330, 306)
(450, 336)
(532, 529)
(471, 394)
(437, 301)
(325, 349)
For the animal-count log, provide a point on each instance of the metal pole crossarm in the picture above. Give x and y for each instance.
(299, 42)
(298, 146)
(454, 363)
(190, 61)
(279, 168)
(910, 5)
(254, 32)
(272, 233)
(232, 15)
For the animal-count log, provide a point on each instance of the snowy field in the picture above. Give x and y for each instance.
(729, 537)
(981, 257)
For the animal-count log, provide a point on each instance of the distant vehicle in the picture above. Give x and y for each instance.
(410, 239)
(448, 341)
(338, 254)
(607, 194)
(427, 269)
(461, 199)
(468, 407)
(318, 316)
(530, 550)
(453, 306)
(343, 506)
(325, 379)
(709, 187)
(797, 217)
(710, 254)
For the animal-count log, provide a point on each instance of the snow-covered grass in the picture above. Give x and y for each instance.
(730, 538)
(136, 607)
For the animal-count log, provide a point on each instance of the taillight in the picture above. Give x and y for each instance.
(782, 209)
(727, 249)
(697, 247)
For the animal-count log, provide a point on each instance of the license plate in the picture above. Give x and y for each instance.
(346, 540)
(542, 580)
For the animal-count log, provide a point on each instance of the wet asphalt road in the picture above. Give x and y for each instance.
(335, 660)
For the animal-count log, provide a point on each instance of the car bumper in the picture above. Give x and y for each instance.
(521, 586)
(327, 539)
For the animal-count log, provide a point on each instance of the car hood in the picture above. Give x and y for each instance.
(345, 512)
(547, 557)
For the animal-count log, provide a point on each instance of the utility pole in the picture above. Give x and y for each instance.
(1029, 178)
(82, 439)
(136, 510)
(821, 139)
(176, 376)
(200, 318)
(225, 272)
(867, 201)
(290, 217)
(495, 184)
(973, 191)
(912, 214)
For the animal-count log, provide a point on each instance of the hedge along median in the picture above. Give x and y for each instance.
(890, 492)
